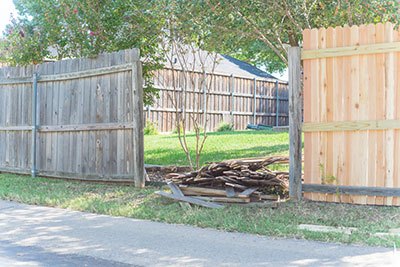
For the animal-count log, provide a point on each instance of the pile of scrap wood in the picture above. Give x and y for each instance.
(231, 181)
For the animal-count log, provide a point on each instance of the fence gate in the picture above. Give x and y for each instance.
(77, 118)
(352, 114)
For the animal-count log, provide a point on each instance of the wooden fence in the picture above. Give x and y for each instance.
(78, 118)
(352, 114)
(221, 97)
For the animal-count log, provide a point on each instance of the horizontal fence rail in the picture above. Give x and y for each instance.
(351, 126)
(351, 190)
(352, 50)
(68, 76)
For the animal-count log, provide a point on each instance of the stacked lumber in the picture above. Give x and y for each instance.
(235, 181)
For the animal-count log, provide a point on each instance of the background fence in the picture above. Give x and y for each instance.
(226, 98)
(88, 122)
(352, 114)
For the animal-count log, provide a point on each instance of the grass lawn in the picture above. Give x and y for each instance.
(143, 204)
(166, 150)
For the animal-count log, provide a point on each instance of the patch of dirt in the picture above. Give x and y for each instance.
(158, 173)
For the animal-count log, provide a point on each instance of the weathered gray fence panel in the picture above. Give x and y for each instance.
(86, 123)
(229, 99)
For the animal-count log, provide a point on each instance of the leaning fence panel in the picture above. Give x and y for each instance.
(88, 123)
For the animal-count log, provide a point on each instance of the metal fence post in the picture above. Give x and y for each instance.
(277, 103)
(205, 99)
(34, 125)
(232, 91)
(255, 102)
(148, 113)
(295, 121)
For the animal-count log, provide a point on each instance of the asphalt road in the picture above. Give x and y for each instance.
(41, 236)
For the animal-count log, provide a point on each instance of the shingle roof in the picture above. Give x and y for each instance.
(238, 67)
(225, 65)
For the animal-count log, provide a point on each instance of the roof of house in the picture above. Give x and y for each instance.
(235, 66)
(224, 64)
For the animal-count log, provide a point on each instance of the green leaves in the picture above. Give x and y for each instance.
(257, 31)
(83, 28)
(260, 31)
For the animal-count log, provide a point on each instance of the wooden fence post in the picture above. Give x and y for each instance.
(137, 131)
(295, 121)
(34, 125)
(277, 104)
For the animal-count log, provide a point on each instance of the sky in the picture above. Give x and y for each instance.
(282, 76)
(6, 8)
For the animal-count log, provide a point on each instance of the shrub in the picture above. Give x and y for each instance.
(175, 131)
(150, 128)
(225, 127)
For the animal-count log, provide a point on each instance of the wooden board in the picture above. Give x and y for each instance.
(352, 190)
(356, 125)
(201, 191)
(225, 199)
(190, 200)
(351, 50)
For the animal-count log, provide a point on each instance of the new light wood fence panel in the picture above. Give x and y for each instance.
(86, 117)
(227, 99)
(352, 111)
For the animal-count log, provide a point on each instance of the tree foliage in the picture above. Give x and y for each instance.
(82, 28)
(257, 31)
(260, 31)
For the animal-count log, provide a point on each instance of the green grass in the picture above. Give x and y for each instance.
(127, 201)
(166, 150)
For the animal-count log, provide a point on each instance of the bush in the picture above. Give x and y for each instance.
(225, 127)
(175, 131)
(151, 128)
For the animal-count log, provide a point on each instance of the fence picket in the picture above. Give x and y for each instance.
(380, 112)
(372, 135)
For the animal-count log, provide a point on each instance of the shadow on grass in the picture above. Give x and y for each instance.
(232, 133)
(176, 156)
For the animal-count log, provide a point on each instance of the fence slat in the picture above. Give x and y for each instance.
(379, 71)
(372, 134)
(390, 107)
(308, 140)
(34, 125)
